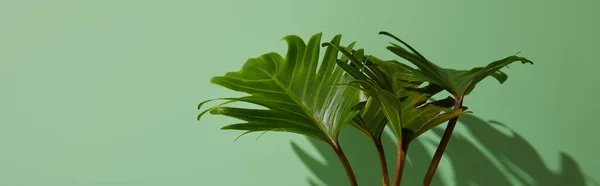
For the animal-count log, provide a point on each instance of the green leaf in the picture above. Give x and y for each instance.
(385, 103)
(457, 82)
(420, 120)
(394, 96)
(372, 118)
(299, 95)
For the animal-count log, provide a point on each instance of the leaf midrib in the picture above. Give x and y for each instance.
(299, 103)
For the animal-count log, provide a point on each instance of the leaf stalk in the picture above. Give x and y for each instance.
(442, 145)
(400, 161)
(383, 162)
(340, 153)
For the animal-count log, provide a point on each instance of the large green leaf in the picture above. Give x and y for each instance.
(457, 82)
(394, 96)
(299, 95)
(371, 119)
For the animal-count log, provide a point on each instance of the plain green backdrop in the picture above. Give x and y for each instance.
(104, 92)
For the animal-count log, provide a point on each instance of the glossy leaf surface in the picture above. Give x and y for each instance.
(401, 99)
(299, 93)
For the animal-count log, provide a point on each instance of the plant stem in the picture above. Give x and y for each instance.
(383, 162)
(340, 153)
(442, 146)
(400, 163)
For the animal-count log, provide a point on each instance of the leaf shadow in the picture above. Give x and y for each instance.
(495, 155)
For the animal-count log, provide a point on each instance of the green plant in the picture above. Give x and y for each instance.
(400, 98)
(301, 95)
(459, 83)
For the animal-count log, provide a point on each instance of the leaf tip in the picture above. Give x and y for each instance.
(215, 80)
(528, 61)
(198, 117)
(261, 134)
(235, 140)
(290, 39)
(384, 33)
(523, 59)
(203, 113)
(228, 127)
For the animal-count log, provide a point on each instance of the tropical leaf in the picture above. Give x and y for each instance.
(394, 97)
(457, 82)
(299, 95)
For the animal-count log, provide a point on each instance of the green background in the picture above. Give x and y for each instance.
(104, 92)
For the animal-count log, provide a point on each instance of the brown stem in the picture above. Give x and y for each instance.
(400, 163)
(383, 162)
(442, 146)
(340, 153)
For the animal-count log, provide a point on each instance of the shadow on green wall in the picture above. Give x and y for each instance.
(503, 158)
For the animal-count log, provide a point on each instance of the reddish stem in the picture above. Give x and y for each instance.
(442, 146)
(401, 159)
(340, 153)
(383, 162)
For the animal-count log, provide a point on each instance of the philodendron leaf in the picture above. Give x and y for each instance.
(372, 119)
(299, 95)
(457, 82)
(395, 96)
(416, 116)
